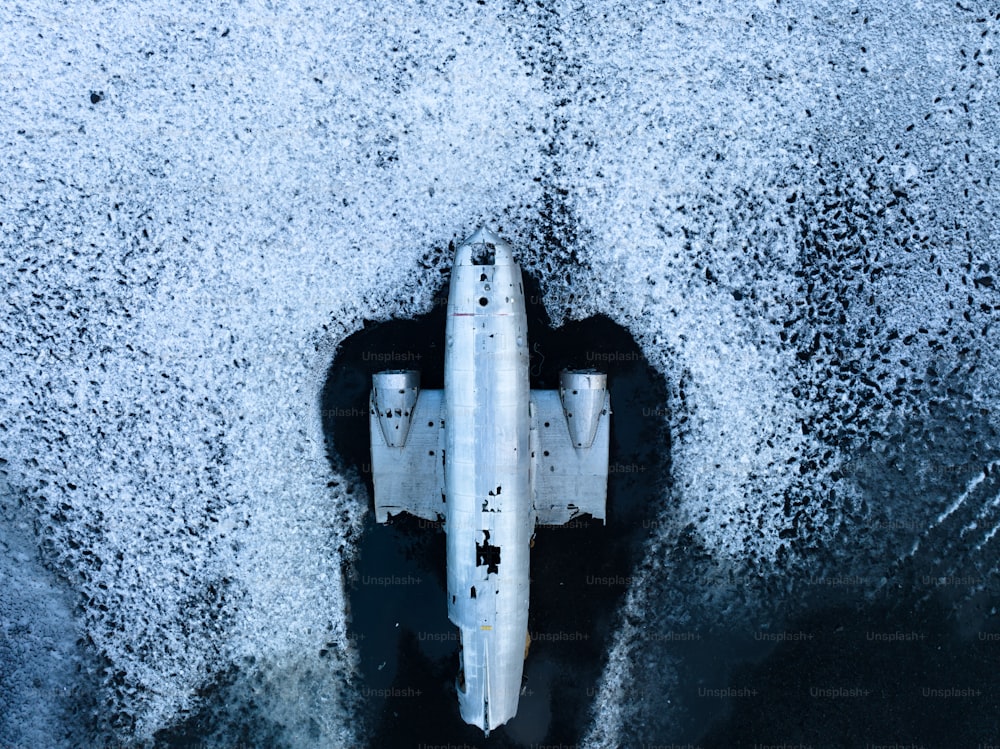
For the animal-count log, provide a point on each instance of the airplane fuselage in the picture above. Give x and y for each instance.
(492, 458)
(489, 515)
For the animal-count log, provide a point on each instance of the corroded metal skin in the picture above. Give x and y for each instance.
(490, 517)
(491, 458)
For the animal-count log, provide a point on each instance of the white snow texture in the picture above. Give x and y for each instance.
(198, 201)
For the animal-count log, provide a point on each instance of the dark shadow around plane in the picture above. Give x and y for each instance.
(579, 572)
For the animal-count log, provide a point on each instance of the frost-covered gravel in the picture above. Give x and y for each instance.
(793, 207)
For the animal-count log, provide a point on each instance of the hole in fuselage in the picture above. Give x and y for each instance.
(487, 554)
(484, 254)
(460, 682)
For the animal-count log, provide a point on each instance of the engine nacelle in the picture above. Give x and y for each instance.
(582, 393)
(394, 395)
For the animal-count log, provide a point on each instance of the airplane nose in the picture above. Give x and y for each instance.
(484, 247)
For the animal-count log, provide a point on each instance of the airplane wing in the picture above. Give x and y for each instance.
(569, 474)
(407, 467)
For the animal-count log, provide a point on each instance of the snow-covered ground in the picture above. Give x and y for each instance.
(792, 205)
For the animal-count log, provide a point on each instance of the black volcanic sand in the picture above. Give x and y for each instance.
(881, 673)
(579, 573)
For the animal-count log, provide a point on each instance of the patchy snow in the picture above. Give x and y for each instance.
(45, 676)
(198, 203)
